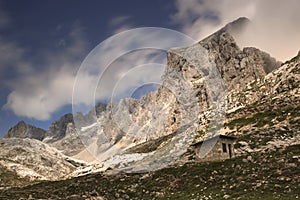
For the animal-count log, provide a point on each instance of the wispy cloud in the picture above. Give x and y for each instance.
(41, 91)
(5, 19)
(121, 23)
(10, 55)
(276, 25)
(119, 20)
(131, 71)
(10, 52)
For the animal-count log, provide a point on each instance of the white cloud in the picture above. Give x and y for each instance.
(276, 23)
(39, 96)
(39, 92)
(149, 73)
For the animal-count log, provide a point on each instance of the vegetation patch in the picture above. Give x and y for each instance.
(10, 178)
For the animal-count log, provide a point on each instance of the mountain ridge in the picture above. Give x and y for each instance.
(249, 76)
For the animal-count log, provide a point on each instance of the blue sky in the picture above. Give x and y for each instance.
(43, 42)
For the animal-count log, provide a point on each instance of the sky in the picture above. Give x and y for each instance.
(43, 43)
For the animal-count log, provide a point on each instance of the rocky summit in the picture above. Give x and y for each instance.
(23, 130)
(145, 148)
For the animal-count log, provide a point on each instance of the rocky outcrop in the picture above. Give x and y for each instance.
(237, 66)
(63, 135)
(23, 130)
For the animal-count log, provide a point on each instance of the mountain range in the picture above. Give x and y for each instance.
(260, 108)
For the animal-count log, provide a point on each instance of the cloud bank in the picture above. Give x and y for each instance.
(276, 25)
(39, 91)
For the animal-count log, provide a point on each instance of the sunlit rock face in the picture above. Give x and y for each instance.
(160, 113)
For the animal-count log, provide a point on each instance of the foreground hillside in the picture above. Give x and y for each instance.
(270, 175)
(267, 168)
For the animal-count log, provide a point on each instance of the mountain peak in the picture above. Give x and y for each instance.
(233, 28)
(21, 123)
(24, 130)
(237, 66)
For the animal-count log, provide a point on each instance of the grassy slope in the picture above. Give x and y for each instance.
(270, 175)
(274, 175)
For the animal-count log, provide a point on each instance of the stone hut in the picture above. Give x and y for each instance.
(219, 148)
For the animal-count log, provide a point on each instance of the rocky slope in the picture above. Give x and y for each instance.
(269, 116)
(34, 160)
(278, 89)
